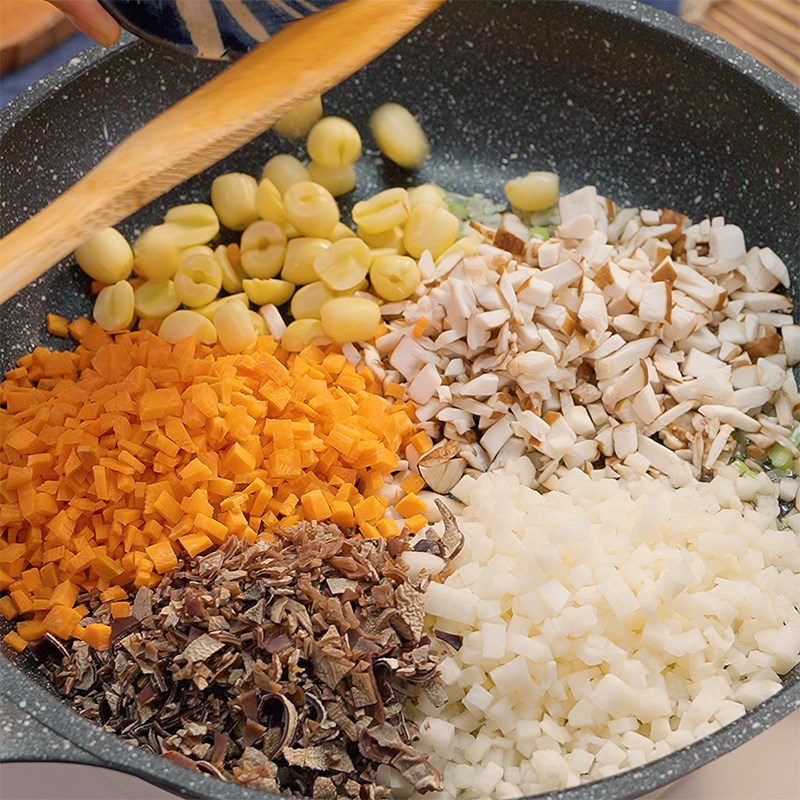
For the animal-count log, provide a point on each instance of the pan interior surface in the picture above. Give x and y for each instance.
(649, 117)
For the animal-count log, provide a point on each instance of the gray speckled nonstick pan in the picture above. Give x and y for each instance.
(648, 108)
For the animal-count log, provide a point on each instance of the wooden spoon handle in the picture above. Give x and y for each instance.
(305, 58)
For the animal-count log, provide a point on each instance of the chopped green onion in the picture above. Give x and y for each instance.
(540, 232)
(458, 209)
(781, 457)
(794, 436)
(744, 470)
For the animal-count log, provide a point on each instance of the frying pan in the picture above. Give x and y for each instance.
(651, 110)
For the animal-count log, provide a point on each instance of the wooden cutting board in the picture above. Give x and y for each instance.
(767, 29)
(29, 28)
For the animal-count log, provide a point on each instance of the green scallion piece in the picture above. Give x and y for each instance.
(744, 470)
(458, 209)
(781, 457)
(540, 232)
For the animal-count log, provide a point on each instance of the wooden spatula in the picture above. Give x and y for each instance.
(306, 58)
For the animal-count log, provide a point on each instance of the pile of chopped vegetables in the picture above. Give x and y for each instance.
(283, 665)
(629, 339)
(127, 452)
(603, 623)
(231, 528)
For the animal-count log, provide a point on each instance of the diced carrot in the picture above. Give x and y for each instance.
(31, 629)
(113, 593)
(237, 460)
(15, 641)
(412, 483)
(22, 600)
(160, 403)
(195, 543)
(195, 472)
(65, 594)
(410, 505)
(421, 443)
(387, 527)
(213, 528)
(120, 609)
(162, 556)
(416, 523)
(119, 453)
(315, 505)
(420, 327)
(11, 552)
(368, 510)
(105, 567)
(57, 325)
(97, 635)
(342, 514)
(7, 607)
(61, 621)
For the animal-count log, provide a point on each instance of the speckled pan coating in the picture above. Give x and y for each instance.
(648, 108)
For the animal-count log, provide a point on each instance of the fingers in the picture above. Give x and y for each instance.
(91, 18)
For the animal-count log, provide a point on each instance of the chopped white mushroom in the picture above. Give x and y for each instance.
(791, 344)
(655, 303)
(625, 439)
(731, 416)
(275, 324)
(624, 325)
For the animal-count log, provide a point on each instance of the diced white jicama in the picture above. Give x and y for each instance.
(553, 684)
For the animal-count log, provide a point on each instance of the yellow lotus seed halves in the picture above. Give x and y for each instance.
(343, 265)
(106, 257)
(263, 249)
(311, 209)
(196, 223)
(382, 211)
(183, 324)
(535, 191)
(155, 299)
(298, 267)
(429, 228)
(283, 170)
(301, 333)
(231, 275)
(263, 291)
(234, 327)
(209, 310)
(394, 277)
(199, 277)
(308, 300)
(269, 204)
(392, 239)
(399, 135)
(337, 181)
(427, 193)
(340, 231)
(114, 307)
(350, 319)
(158, 252)
(233, 197)
(297, 122)
(334, 143)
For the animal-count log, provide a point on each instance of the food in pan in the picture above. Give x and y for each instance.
(468, 499)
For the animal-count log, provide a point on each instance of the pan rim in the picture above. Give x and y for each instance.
(111, 752)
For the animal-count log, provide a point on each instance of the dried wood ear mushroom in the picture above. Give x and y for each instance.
(284, 666)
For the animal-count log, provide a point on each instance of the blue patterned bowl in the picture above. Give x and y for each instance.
(216, 29)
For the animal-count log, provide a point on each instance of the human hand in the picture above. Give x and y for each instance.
(91, 18)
